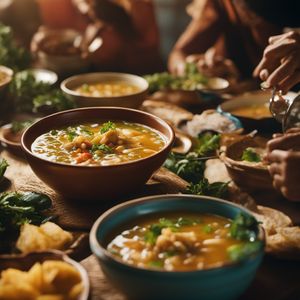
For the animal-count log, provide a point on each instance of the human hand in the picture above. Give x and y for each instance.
(283, 156)
(213, 65)
(280, 65)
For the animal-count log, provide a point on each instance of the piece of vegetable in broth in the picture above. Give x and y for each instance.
(250, 155)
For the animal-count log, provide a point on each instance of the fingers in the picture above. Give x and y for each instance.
(278, 181)
(289, 82)
(287, 68)
(274, 168)
(277, 156)
(285, 142)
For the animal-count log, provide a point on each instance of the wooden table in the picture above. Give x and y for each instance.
(276, 279)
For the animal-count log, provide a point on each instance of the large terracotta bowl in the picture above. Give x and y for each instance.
(96, 183)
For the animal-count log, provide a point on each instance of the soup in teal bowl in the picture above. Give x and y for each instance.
(178, 247)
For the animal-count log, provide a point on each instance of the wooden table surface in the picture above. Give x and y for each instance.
(276, 279)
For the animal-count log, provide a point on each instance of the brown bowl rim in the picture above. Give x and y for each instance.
(168, 143)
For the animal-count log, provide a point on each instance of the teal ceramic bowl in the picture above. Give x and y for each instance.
(227, 282)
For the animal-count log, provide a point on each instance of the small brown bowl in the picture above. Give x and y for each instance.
(10, 141)
(250, 177)
(132, 100)
(96, 183)
(24, 262)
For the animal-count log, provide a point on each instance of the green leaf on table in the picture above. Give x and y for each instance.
(203, 187)
(3, 166)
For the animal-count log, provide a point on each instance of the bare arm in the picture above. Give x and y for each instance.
(199, 36)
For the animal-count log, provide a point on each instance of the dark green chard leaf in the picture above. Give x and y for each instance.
(250, 155)
(107, 126)
(3, 166)
(216, 189)
(17, 209)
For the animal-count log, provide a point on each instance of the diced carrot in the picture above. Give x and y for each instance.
(83, 157)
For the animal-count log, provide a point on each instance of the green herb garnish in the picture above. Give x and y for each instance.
(216, 189)
(155, 229)
(71, 133)
(244, 228)
(156, 264)
(102, 147)
(250, 155)
(191, 80)
(107, 126)
(242, 251)
(208, 228)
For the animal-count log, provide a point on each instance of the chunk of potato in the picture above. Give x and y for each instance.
(18, 291)
(44, 237)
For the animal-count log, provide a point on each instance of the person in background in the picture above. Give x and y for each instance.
(130, 39)
(227, 37)
(280, 67)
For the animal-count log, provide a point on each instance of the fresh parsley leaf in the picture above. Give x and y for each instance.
(208, 228)
(203, 187)
(250, 155)
(102, 147)
(71, 133)
(156, 263)
(107, 126)
(242, 251)
(244, 228)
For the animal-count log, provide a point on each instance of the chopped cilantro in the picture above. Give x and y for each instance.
(156, 263)
(101, 147)
(207, 143)
(242, 251)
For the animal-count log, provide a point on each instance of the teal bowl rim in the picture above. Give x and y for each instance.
(98, 249)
